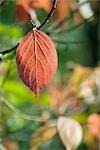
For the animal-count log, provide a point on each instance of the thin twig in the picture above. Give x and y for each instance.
(12, 107)
(66, 18)
(9, 50)
(58, 24)
(74, 27)
(49, 15)
(6, 75)
(70, 29)
(55, 27)
(33, 23)
(55, 40)
(69, 42)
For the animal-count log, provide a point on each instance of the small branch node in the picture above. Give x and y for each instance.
(33, 23)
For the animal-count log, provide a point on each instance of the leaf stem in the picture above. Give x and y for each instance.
(32, 22)
(49, 15)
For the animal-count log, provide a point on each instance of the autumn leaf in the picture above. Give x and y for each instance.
(70, 132)
(36, 60)
(94, 124)
(10, 145)
(62, 9)
(45, 4)
(22, 14)
(25, 11)
(42, 135)
(22, 9)
(24, 4)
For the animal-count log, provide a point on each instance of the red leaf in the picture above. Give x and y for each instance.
(45, 4)
(24, 4)
(36, 60)
(22, 14)
(22, 9)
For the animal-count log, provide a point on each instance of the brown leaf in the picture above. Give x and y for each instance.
(42, 135)
(22, 9)
(94, 124)
(24, 4)
(36, 60)
(62, 9)
(80, 74)
(22, 14)
(45, 4)
(10, 145)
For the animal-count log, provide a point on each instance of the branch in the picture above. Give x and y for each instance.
(46, 20)
(9, 50)
(55, 40)
(17, 111)
(70, 42)
(65, 19)
(49, 15)
(74, 27)
(55, 27)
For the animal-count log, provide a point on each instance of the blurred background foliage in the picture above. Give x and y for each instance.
(25, 122)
